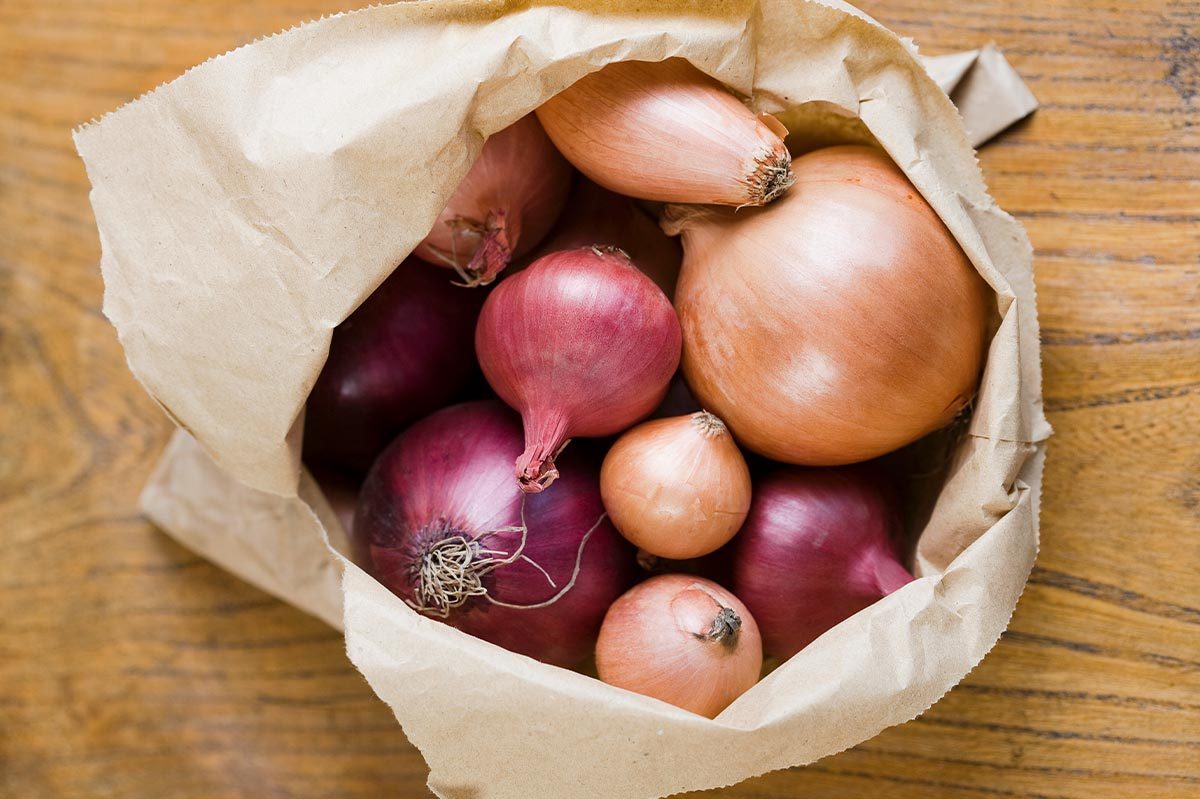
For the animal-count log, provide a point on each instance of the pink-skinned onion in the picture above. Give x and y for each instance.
(581, 344)
(506, 204)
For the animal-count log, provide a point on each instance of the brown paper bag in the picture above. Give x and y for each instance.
(246, 208)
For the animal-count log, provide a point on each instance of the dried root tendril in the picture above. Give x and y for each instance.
(450, 571)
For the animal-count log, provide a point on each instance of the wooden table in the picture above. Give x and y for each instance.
(131, 668)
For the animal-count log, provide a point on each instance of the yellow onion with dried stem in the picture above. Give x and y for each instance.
(666, 131)
(677, 488)
(835, 325)
(681, 639)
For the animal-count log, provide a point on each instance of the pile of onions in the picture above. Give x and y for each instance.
(403, 353)
(677, 488)
(505, 205)
(681, 639)
(816, 548)
(835, 325)
(450, 533)
(666, 131)
(582, 344)
(596, 216)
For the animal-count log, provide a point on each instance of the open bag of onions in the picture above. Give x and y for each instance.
(864, 302)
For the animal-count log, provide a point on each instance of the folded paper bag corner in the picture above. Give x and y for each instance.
(248, 207)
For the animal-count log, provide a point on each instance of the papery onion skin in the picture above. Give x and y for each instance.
(666, 131)
(596, 216)
(677, 488)
(581, 344)
(404, 352)
(450, 476)
(682, 639)
(839, 323)
(505, 205)
(817, 547)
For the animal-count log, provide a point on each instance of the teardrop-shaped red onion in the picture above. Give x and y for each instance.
(582, 344)
(404, 352)
(816, 548)
(506, 204)
(451, 534)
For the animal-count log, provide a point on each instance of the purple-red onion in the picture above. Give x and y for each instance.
(506, 204)
(404, 352)
(816, 548)
(582, 344)
(451, 534)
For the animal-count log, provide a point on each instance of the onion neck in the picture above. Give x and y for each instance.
(545, 438)
(493, 253)
(772, 176)
(725, 627)
(709, 424)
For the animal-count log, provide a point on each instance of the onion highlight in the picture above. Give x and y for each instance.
(666, 131)
(835, 325)
(505, 205)
(582, 344)
(816, 548)
(450, 533)
(681, 639)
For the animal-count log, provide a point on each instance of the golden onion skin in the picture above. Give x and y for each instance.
(837, 324)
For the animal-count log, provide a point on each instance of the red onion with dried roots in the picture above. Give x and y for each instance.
(506, 204)
(403, 353)
(452, 535)
(816, 548)
(582, 344)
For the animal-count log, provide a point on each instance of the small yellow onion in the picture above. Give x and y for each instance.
(678, 488)
(835, 325)
(681, 639)
(666, 131)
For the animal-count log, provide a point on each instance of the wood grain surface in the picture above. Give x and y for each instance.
(131, 668)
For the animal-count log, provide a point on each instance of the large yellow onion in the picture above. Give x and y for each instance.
(839, 323)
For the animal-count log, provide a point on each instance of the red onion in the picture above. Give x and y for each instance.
(505, 205)
(582, 344)
(815, 549)
(595, 215)
(406, 351)
(453, 536)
